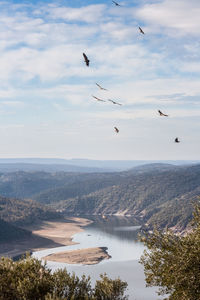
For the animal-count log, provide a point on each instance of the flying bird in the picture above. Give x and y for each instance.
(86, 59)
(98, 99)
(101, 88)
(117, 4)
(161, 114)
(176, 140)
(116, 129)
(114, 102)
(141, 30)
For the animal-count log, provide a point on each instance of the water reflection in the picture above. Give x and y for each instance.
(123, 228)
(119, 235)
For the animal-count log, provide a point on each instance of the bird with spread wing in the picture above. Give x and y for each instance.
(116, 129)
(141, 30)
(117, 4)
(114, 102)
(86, 59)
(176, 140)
(98, 99)
(101, 88)
(162, 114)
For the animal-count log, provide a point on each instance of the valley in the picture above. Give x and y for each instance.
(155, 194)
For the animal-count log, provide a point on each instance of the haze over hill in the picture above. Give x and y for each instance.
(78, 165)
(163, 197)
(155, 193)
(31, 167)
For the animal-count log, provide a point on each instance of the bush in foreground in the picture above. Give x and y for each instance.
(30, 279)
(173, 262)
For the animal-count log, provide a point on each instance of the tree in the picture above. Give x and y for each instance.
(25, 279)
(30, 279)
(173, 262)
(67, 286)
(107, 288)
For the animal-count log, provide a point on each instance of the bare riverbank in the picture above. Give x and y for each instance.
(88, 256)
(48, 234)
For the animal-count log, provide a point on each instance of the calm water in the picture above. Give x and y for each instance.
(119, 235)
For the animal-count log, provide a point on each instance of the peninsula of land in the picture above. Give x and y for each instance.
(88, 256)
(51, 234)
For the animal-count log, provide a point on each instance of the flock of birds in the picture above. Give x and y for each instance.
(87, 62)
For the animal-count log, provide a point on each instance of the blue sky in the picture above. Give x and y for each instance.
(46, 104)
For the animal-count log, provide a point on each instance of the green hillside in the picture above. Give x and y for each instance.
(162, 198)
(46, 187)
(25, 184)
(155, 194)
(24, 212)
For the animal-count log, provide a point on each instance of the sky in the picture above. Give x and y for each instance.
(46, 103)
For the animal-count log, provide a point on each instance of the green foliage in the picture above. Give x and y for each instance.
(68, 286)
(107, 288)
(24, 212)
(24, 280)
(30, 279)
(173, 262)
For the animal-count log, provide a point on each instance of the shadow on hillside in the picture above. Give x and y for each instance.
(20, 247)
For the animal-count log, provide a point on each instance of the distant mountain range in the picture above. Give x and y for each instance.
(78, 165)
(155, 194)
(32, 167)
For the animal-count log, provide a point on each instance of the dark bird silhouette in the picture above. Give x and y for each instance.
(98, 99)
(117, 4)
(114, 102)
(176, 140)
(86, 59)
(101, 88)
(141, 30)
(116, 129)
(161, 114)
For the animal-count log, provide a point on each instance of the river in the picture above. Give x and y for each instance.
(119, 235)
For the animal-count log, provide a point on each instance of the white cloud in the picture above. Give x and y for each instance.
(182, 16)
(89, 14)
(43, 71)
(11, 126)
(11, 103)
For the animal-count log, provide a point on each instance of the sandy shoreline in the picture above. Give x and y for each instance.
(88, 256)
(51, 234)
(47, 234)
(61, 232)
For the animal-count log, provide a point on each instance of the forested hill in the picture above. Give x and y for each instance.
(24, 212)
(162, 198)
(15, 213)
(155, 193)
(31, 184)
